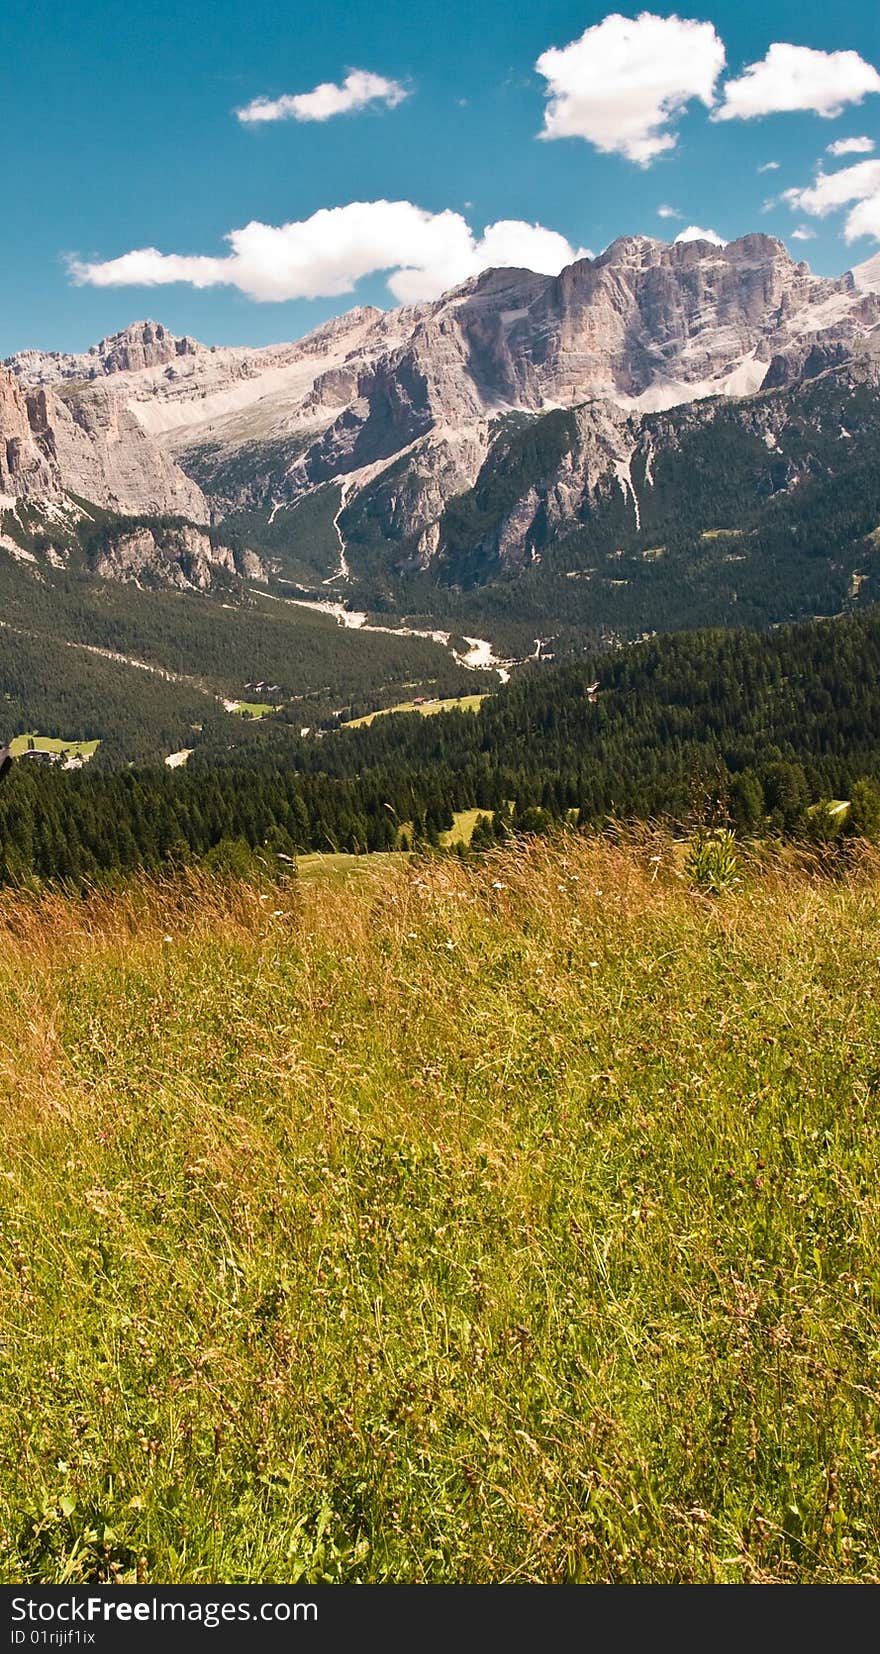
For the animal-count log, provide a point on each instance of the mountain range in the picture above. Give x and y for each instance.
(663, 437)
(391, 416)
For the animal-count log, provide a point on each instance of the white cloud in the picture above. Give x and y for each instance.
(327, 254)
(859, 184)
(694, 233)
(864, 219)
(834, 189)
(803, 233)
(769, 166)
(358, 89)
(625, 80)
(851, 146)
(668, 212)
(796, 77)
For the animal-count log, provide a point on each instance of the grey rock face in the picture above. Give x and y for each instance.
(105, 456)
(27, 461)
(185, 558)
(90, 445)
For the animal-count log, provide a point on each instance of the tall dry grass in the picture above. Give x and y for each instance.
(497, 1220)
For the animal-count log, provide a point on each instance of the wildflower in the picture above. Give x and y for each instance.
(497, 885)
(167, 938)
(594, 964)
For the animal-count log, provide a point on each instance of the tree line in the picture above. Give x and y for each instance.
(752, 729)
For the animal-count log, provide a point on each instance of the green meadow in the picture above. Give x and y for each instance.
(458, 703)
(510, 1218)
(52, 743)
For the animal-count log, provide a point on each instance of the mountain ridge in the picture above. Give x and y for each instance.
(404, 407)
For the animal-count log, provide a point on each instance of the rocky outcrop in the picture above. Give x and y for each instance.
(190, 393)
(184, 557)
(143, 345)
(27, 464)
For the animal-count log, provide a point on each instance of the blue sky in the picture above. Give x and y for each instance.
(120, 133)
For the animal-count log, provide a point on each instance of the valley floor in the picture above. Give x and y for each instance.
(512, 1219)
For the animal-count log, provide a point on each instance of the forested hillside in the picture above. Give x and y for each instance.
(148, 672)
(718, 726)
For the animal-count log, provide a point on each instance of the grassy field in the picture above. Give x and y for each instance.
(52, 743)
(459, 703)
(462, 829)
(502, 1220)
(340, 867)
(251, 709)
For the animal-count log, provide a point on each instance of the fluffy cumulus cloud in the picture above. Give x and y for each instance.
(769, 166)
(865, 218)
(694, 233)
(856, 187)
(359, 89)
(835, 189)
(797, 78)
(326, 255)
(668, 212)
(803, 233)
(624, 82)
(851, 146)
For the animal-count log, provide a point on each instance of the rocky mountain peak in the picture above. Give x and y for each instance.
(757, 248)
(633, 251)
(141, 345)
